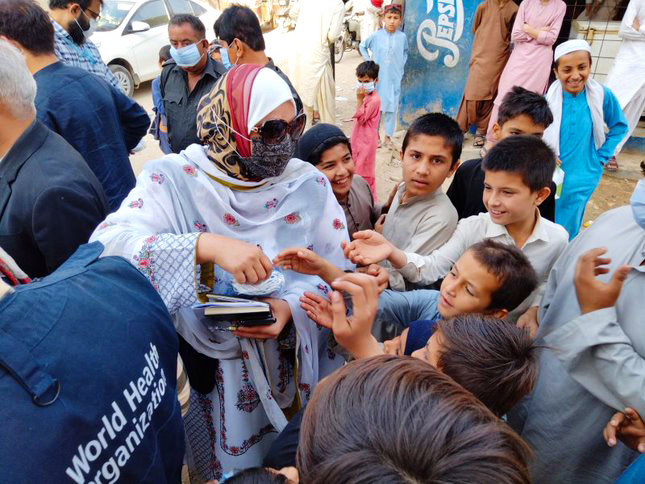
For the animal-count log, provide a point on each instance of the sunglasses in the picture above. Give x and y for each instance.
(273, 131)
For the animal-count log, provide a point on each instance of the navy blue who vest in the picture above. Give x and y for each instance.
(88, 361)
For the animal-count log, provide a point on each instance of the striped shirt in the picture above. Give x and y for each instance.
(85, 56)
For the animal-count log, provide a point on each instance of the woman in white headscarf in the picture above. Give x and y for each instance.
(212, 215)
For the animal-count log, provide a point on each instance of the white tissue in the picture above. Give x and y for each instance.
(273, 284)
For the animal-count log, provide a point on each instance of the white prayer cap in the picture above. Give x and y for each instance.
(569, 46)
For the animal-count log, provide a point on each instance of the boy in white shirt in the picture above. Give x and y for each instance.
(518, 172)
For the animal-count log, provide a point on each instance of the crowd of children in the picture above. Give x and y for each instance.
(437, 337)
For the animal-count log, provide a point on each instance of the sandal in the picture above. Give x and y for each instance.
(480, 140)
(612, 164)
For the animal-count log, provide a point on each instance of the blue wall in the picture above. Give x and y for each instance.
(440, 39)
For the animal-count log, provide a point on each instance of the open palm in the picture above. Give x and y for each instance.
(300, 260)
(368, 247)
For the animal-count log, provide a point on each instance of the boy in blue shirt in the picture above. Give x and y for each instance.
(581, 108)
(388, 47)
(488, 281)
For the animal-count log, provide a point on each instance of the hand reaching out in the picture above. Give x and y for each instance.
(592, 293)
(300, 260)
(354, 333)
(306, 261)
(381, 273)
(379, 224)
(317, 308)
(529, 320)
(627, 426)
(368, 247)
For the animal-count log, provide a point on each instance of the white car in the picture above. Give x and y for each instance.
(130, 33)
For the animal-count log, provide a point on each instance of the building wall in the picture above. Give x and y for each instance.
(439, 43)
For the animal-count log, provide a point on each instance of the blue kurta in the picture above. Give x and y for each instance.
(581, 161)
(389, 51)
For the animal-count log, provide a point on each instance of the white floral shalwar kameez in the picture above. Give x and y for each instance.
(156, 228)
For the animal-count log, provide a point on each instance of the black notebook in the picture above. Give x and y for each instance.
(237, 311)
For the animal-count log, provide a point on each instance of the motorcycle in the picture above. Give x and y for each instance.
(350, 35)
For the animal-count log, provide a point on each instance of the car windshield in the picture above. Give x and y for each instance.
(112, 14)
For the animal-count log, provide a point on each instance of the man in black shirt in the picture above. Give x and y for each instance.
(238, 30)
(185, 79)
(521, 112)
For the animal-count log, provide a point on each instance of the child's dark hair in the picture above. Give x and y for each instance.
(367, 68)
(520, 101)
(399, 420)
(512, 268)
(164, 53)
(493, 359)
(527, 156)
(315, 141)
(316, 154)
(557, 62)
(256, 475)
(437, 124)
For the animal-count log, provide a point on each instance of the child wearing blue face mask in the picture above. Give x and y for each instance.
(366, 120)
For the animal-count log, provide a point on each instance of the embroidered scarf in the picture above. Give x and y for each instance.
(222, 120)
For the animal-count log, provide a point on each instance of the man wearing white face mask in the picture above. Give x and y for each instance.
(186, 78)
(593, 361)
(74, 22)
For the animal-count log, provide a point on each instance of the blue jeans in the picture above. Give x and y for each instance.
(396, 310)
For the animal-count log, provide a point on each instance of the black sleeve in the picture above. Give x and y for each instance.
(547, 208)
(283, 450)
(134, 119)
(64, 218)
(456, 192)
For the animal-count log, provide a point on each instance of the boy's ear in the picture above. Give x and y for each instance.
(454, 168)
(496, 130)
(542, 194)
(401, 155)
(499, 313)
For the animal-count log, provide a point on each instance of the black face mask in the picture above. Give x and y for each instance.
(267, 161)
(76, 29)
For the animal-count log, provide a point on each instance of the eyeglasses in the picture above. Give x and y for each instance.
(95, 15)
(273, 131)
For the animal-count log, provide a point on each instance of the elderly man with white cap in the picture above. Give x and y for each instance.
(581, 108)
